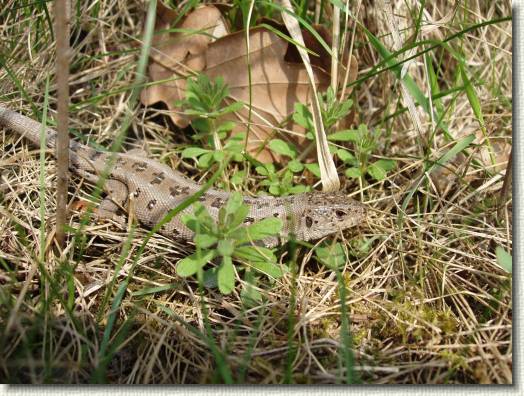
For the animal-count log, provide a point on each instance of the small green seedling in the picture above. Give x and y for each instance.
(205, 101)
(282, 183)
(332, 256)
(365, 143)
(206, 157)
(228, 240)
(504, 259)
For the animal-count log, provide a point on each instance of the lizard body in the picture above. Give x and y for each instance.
(156, 189)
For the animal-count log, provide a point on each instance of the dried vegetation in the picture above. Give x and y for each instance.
(427, 299)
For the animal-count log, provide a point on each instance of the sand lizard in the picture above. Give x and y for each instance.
(156, 189)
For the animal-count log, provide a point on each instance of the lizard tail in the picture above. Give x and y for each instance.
(26, 127)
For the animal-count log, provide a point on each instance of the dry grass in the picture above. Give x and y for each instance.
(427, 301)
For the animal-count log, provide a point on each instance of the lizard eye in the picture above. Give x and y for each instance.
(340, 213)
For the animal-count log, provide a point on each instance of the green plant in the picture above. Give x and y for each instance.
(332, 109)
(282, 183)
(205, 157)
(226, 240)
(365, 142)
(204, 100)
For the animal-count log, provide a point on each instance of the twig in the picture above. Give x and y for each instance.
(62, 143)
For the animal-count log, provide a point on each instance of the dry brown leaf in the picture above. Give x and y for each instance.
(276, 85)
(278, 78)
(170, 51)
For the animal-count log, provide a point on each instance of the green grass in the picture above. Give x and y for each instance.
(419, 293)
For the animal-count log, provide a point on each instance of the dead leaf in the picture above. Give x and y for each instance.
(170, 51)
(276, 85)
(278, 79)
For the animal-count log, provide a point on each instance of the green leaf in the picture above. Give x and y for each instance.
(295, 166)
(265, 170)
(219, 156)
(226, 126)
(313, 168)
(349, 135)
(249, 294)
(226, 276)
(376, 172)
(156, 289)
(205, 160)
(472, 95)
(211, 277)
(201, 125)
(238, 217)
(225, 247)
(234, 203)
(238, 177)
(262, 259)
(187, 218)
(504, 259)
(353, 173)
(204, 241)
(345, 156)
(283, 148)
(269, 268)
(332, 256)
(193, 152)
(275, 189)
(386, 164)
(298, 189)
(457, 148)
(264, 228)
(190, 265)
(302, 116)
(231, 108)
(252, 254)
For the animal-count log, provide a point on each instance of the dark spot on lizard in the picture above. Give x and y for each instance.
(217, 203)
(249, 220)
(173, 191)
(202, 198)
(120, 161)
(139, 166)
(74, 145)
(95, 155)
(74, 161)
(158, 178)
(309, 222)
(137, 192)
(177, 190)
(276, 214)
(151, 204)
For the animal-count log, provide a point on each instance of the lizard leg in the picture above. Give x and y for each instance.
(116, 199)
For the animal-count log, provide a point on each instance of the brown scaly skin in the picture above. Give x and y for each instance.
(155, 189)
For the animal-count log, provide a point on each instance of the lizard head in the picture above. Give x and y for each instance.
(326, 213)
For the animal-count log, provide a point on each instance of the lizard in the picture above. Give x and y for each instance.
(156, 189)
